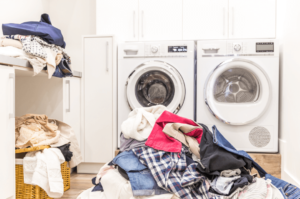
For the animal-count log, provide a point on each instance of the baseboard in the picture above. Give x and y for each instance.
(89, 167)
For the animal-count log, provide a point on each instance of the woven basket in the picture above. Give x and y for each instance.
(27, 191)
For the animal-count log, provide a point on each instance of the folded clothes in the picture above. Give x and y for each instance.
(140, 122)
(128, 144)
(10, 42)
(35, 130)
(160, 141)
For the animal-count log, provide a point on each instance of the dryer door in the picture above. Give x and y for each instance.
(155, 83)
(237, 92)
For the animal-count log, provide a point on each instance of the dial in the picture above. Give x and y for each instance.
(154, 49)
(237, 47)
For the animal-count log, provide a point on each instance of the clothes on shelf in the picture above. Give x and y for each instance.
(43, 29)
(10, 42)
(42, 168)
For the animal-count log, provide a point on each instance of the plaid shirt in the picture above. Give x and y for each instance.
(171, 172)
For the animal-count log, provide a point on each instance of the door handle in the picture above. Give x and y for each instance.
(133, 25)
(107, 56)
(142, 23)
(232, 21)
(12, 114)
(69, 96)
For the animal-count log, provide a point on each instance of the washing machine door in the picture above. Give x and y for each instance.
(237, 92)
(155, 83)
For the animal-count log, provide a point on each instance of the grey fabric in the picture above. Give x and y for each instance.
(222, 185)
(128, 144)
(230, 173)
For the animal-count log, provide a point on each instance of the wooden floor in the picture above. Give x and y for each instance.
(270, 162)
(79, 183)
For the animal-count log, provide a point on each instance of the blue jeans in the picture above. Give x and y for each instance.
(288, 190)
(141, 179)
(222, 142)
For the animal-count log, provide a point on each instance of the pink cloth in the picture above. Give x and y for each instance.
(103, 171)
(160, 141)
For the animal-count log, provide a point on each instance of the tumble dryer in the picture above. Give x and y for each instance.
(238, 91)
(153, 73)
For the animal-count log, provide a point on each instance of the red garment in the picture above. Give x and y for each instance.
(160, 141)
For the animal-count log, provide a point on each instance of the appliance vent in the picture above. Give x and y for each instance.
(259, 136)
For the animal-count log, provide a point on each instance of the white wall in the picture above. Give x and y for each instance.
(19, 11)
(288, 33)
(74, 18)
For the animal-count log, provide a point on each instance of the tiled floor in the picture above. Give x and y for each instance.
(79, 183)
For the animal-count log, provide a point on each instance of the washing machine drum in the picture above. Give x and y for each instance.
(237, 92)
(155, 83)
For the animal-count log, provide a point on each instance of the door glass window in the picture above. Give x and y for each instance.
(236, 85)
(154, 88)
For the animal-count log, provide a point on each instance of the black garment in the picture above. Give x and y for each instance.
(65, 150)
(98, 187)
(215, 159)
(123, 173)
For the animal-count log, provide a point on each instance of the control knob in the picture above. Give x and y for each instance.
(237, 47)
(154, 49)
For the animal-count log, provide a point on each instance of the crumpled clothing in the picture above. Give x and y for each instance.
(43, 169)
(38, 64)
(35, 130)
(222, 185)
(160, 141)
(10, 42)
(230, 173)
(171, 172)
(128, 144)
(140, 122)
(102, 172)
(65, 150)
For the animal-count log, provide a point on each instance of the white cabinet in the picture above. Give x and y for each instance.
(252, 19)
(98, 100)
(7, 123)
(160, 20)
(119, 18)
(204, 19)
(72, 104)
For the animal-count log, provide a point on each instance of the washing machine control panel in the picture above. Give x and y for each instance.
(164, 50)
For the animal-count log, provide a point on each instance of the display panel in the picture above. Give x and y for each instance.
(265, 47)
(177, 49)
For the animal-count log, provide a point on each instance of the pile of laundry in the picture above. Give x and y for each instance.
(43, 168)
(38, 42)
(165, 156)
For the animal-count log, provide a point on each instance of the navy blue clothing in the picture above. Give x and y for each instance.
(43, 29)
(98, 187)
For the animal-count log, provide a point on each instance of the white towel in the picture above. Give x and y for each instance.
(43, 169)
(141, 121)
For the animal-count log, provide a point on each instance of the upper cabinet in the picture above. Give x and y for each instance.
(252, 19)
(119, 18)
(149, 20)
(204, 19)
(160, 20)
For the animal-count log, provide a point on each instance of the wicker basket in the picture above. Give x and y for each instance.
(27, 191)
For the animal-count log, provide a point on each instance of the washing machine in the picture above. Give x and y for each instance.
(156, 73)
(238, 91)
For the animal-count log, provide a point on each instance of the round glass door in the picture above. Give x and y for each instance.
(155, 83)
(237, 92)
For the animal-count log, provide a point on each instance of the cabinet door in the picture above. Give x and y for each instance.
(98, 100)
(72, 104)
(204, 19)
(118, 18)
(160, 20)
(252, 19)
(7, 123)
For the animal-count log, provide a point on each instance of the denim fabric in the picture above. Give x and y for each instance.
(128, 161)
(222, 142)
(65, 68)
(43, 29)
(143, 183)
(141, 179)
(288, 190)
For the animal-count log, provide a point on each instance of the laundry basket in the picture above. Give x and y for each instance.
(27, 191)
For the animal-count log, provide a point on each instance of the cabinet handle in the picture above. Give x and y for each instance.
(224, 21)
(12, 76)
(232, 22)
(133, 25)
(142, 23)
(69, 97)
(107, 56)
